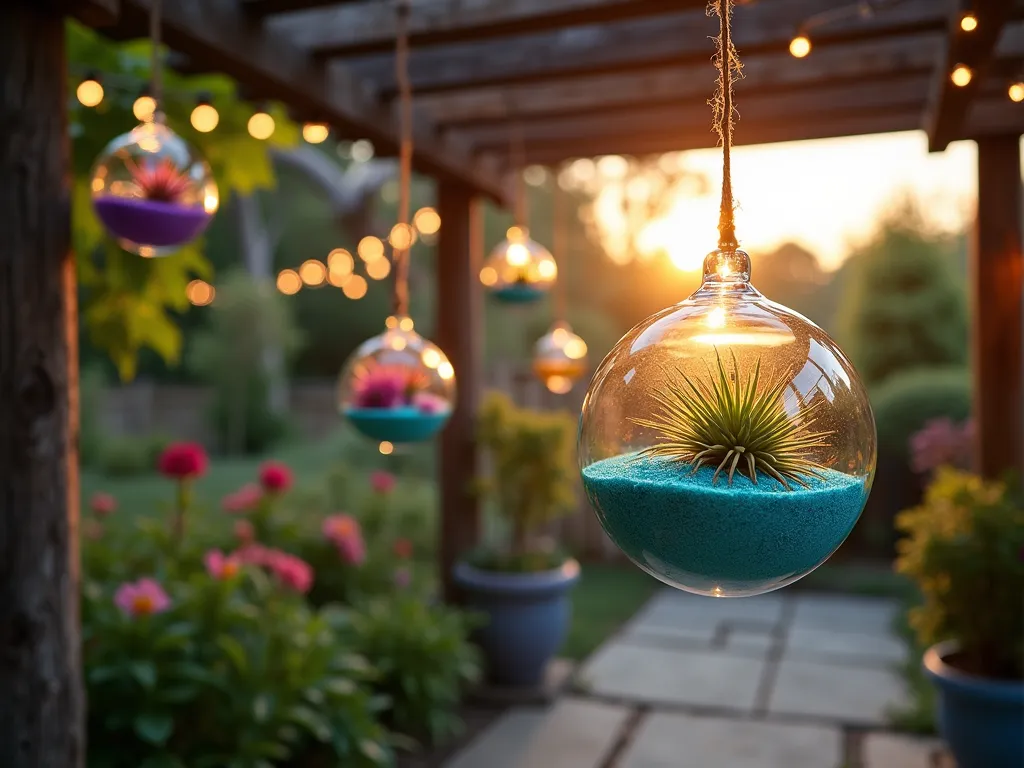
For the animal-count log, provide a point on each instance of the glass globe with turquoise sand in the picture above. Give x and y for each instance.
(727, 443)
(397, 386)
(519, 270)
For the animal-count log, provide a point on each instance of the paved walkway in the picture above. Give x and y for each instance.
(785, 680)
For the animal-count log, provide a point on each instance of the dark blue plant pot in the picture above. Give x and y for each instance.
(518, 293)
(397, 425)
(528, 617)
(981, 720)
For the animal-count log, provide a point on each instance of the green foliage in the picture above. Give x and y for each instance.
(422, 659)
(128, 303)
(533, 472)
(246, 320)
(964, 547)
(125, 455)
(732, 425)
(903, 308)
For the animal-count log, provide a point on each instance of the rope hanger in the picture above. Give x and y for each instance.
(400, 256)
(729, 69)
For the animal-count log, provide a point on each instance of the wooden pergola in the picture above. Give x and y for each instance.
(582, 78)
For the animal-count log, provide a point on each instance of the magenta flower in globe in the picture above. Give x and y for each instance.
(382, 482)
(428, 403)
(221, 566)
(102, 504)
(183, 461)
(275, 477)
(145, 597)
(343, 531)
(380, 388)
(245, 499)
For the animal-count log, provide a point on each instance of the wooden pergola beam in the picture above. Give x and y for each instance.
(370, 29)
(262, 8)
(216, 34)
(949, 103)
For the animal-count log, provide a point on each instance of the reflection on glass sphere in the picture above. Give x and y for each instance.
(519, 270)
(397, 387)
(559, 358)
(726, 443)
(152, 191)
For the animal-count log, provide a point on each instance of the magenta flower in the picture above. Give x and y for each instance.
(143, 598)
(343, 531)
(245, 499)
(428, 403)
(380, 388)
(275, 477)
(220, 566)
(382, 482)
(183, 460)
(941, 442)
(292, 571)
(102, 504)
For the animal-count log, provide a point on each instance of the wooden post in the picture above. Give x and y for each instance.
(460, 335)
(41, 706)
(997, 287)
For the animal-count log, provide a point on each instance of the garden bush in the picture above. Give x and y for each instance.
(127, 455)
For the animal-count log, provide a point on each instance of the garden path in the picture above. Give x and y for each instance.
(785, 680)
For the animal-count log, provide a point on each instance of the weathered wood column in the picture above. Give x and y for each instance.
(997, 290)
(460, 334)
(41, 707)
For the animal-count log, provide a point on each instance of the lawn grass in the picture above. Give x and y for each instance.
(605, 598)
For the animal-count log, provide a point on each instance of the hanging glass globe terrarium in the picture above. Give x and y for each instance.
(726, 443)
(559, 358)
(397, 386)
(152, 191)
(519, 270)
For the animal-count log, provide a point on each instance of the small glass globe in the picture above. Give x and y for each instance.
(519, 270)
(152, 191)
(559, 358)
(397, 387)
(726, 443)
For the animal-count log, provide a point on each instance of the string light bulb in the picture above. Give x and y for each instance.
(204, 117)
(961, 75)
(315, 133)
(427, 221)
(261, 125)
(90, 91)
(1016, 92)
(800, 46)
(144, 106)
(968, 22)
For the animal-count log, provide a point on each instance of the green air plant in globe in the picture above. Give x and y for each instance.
(734, 426)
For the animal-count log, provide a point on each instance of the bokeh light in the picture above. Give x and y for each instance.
(204, 117)
(961, 75)
(355, 287)
(361, 151)
(370, 248)
(315, 133)
(200, 293)
(386, 448)
(800, 46)
(1016, 92)
(427, 221)
(378, 269)
(340, 261)
(968, 22)
(89, 92)
(144, 107)
(313, 272)
(261, 126)
(402, 236)
(289, 282)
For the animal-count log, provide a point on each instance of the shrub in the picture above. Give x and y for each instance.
(423, 661)
(532, 480)
(126, 455)
(964, 547)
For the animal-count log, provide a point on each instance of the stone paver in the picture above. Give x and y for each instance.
(849, 694)
(829, 645)
(743, 641)
(649, 674)
(840, 613)
(673, 636)
(504, 743)
(888, 750)
(576, 734)
(680, 609)
(682, 741)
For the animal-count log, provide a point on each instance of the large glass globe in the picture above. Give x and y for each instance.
(152, 191)
(519, 270)
(559, 358)
(726, 443)
(397, 386)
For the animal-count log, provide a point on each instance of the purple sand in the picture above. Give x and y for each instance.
(151, 222)
(719, 539)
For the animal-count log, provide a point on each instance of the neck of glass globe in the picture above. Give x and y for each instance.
(727, 268)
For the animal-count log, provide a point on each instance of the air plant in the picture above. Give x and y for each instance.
(734, 426)
(387, 386)
(159, 180)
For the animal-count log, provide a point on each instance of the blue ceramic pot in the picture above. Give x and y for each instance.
(518, 293)
(528, 617)
(981, 720)
(397, 425)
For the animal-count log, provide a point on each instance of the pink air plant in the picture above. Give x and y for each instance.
(343, 531)
(388, 386)
(245, 499)
(160, 180)
(143, 598)
(220, 566)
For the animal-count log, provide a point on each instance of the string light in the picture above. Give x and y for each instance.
(313, 272)
(289, 282)
(961, 75)
(90, 91)
(261, 125)
(355, 288)
(370, 248)
(144, 106)
(800, 46)
(427, 221)
(968, 22)
(378, 269)
(386, 448)
(200, 293)
(402, 236)
(340, 261)
(315, 133)
(204, 117)
(1016, 92)
(361, 151)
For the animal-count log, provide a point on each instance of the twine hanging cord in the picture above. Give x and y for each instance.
(729, 70)
(401, 255)
(156, 85)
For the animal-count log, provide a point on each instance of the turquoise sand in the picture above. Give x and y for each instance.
(719, 539)
(518, 293)
(397, 425)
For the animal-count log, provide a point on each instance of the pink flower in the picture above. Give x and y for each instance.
(382, 482)
(403, 549)
(275, 477)
(245, 499)
(221, 567)
(294, 572)
(402, 577)
(941, 442)
(102, 504)
(183, 460)
(143, 598)
(428, 403)
(244, 531)
(254, 554)
(343, 531)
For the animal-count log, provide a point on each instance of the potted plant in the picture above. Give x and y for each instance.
(522, 588)
(964, 547)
